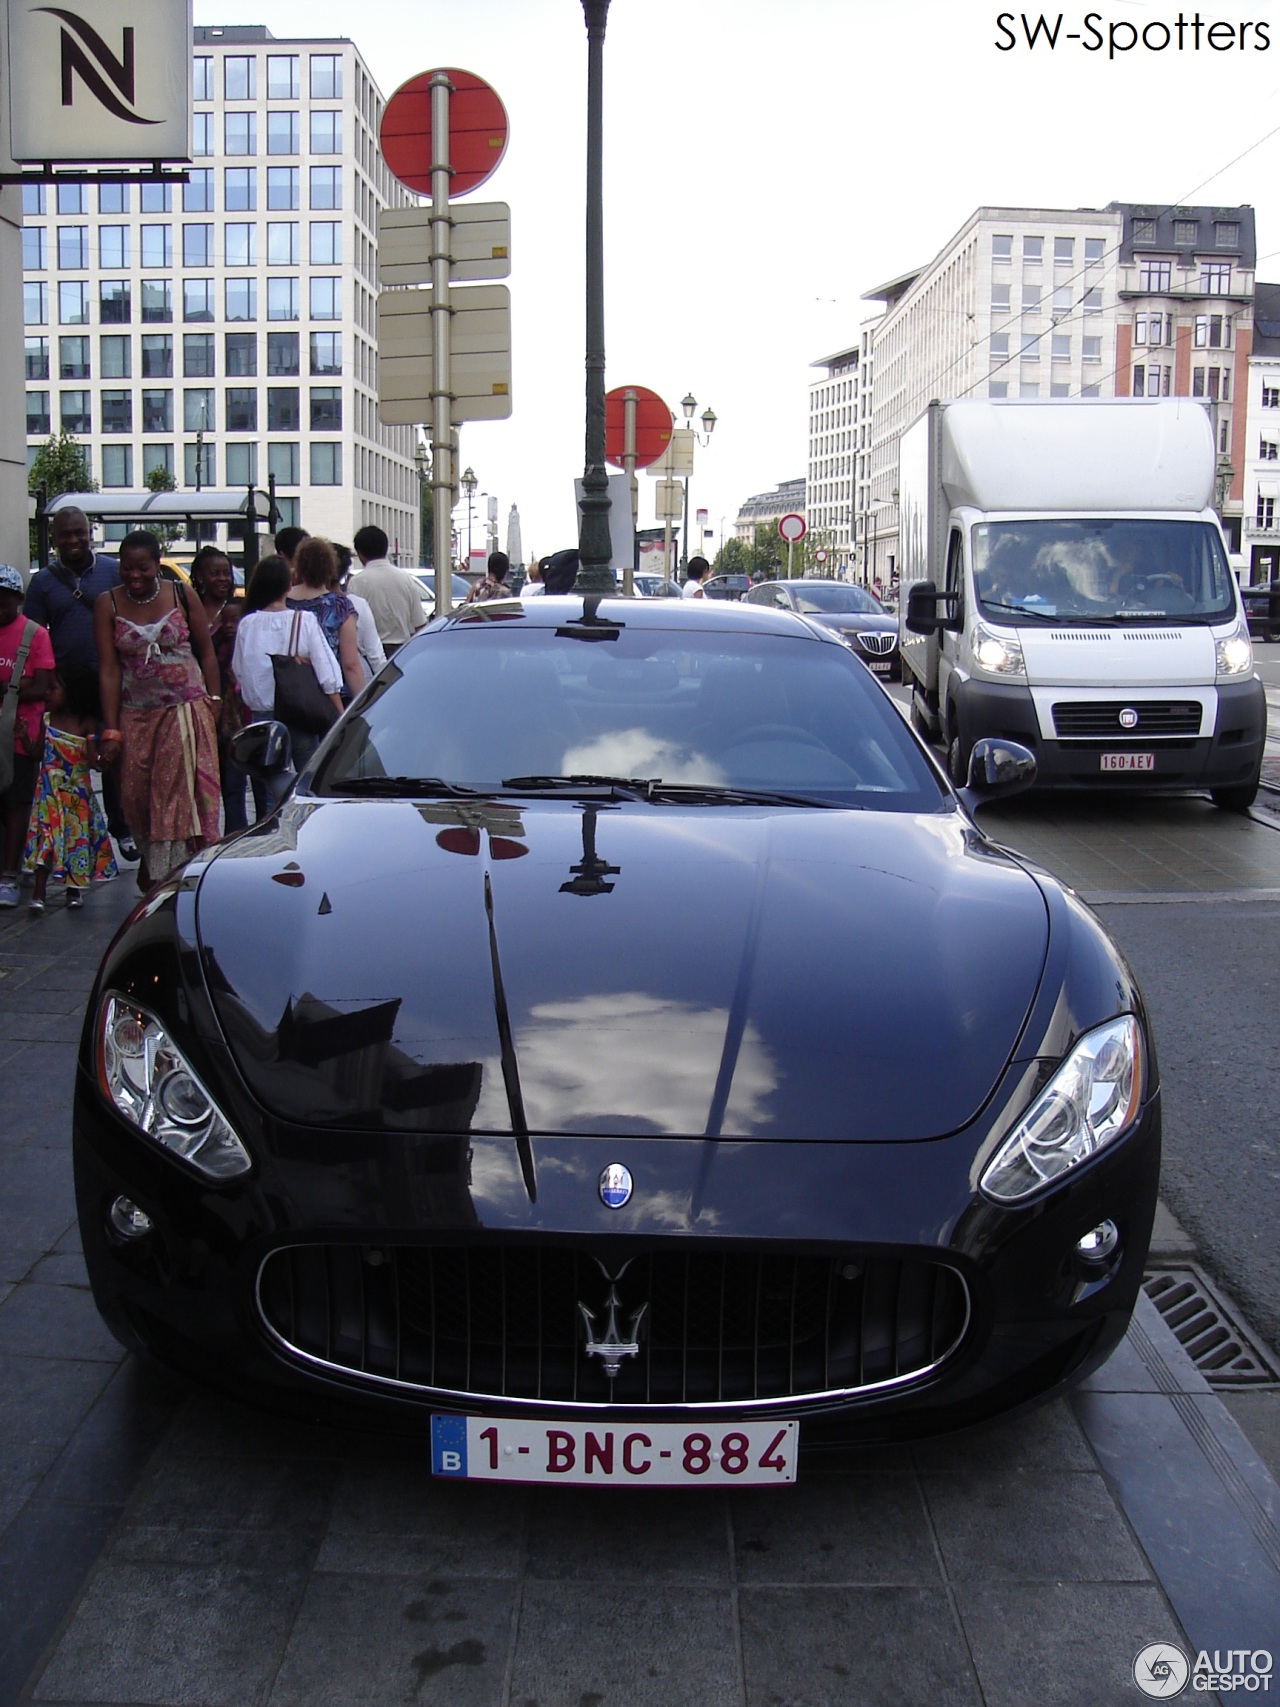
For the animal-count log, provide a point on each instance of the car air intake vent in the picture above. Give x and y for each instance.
(880, 643)
(1127, 719)
(519, 1323)
(1092, 635)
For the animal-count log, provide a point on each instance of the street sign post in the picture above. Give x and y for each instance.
(479, 243)
(637, 430)
(793, 528)
(675, 465)
(477, 132)
(479, 355)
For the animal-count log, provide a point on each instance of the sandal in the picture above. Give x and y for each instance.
(34, 906)
(75, 897)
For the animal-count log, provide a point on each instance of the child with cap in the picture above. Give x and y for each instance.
(26, 674)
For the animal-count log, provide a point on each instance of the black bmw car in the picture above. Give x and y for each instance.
(621, 1058)
(853, 613)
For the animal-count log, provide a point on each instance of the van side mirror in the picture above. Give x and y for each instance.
(922, 609)
(997, 769)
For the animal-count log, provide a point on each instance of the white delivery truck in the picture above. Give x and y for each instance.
(1065, 584)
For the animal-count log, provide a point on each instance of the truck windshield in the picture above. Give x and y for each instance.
(1097, 570)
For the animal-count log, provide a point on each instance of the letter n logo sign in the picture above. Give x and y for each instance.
(108, 79)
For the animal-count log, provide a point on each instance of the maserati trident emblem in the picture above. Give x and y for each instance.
(1128, 718)
(611, 1348)
(615, 1186)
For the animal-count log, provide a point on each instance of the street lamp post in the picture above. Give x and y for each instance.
(689, 403)
(422, 468)
(469, 484)
(595, 572)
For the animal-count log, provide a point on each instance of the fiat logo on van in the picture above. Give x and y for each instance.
(1128, 718)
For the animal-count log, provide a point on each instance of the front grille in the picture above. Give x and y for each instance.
(1102, 718)
(499, 1322)
(877, 642)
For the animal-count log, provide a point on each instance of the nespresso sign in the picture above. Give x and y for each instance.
(99, 80)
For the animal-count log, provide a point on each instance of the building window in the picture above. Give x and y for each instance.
(283, 248)
(326, 187)
(1091, 302)
(1095, 249)
(112, 197)
(241, 409)
(282, 353)
(241, 354)
(326, 408)
(326, 299)
(1266, 513)
(157, 302)
(1030, 298)
(1033, 250)
(73, 198)
(1029, 388)
(1000, 299)
(1091, 349)
(117, 412)
(200, 455)
(282, 299)
(197, 355)
(73, 358)
(35, 248)
(282, 186)
(114, 357)
(73, 302)
(197, 245)
(1224, 428)
(240, 188)
(283, 461)
(1197, 382)
(326, 243)
(282, 133)
(197, 299)
(326, 464)
(239, 77)
(1061, 351)
(239, 133)
(1215, 278)
(282, 77)
(202, 78)
(283, 408)
(1064, 251)
(157, 456)
(241, 240)
(1268, 450)
(157, 355)
(1226, 234)
(1030, 350)
(326, 132)
(201, 135)
(1156, 276)
(241, 462)
(33, 200)
(113, 246)
(1002, 248)
(37, 358)
(1139, 381)
(326, 352)
(998, 388)
(73, 246)
(38, 414)
(326, 76)
(1144, 230)
(999, 346)
(242, 299)
(289, 511)
(75, 411)
(35, 303)
(1271, 397)
(1186, 233)
(1059, 388)
(1090, 391)
(197, 409)
(117, 464)
(1212, 331)
(197, 192)
(157, 245)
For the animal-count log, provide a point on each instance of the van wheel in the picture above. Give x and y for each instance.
(1235, 799)
(958, 762)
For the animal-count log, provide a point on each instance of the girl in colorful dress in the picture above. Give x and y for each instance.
(68, 836)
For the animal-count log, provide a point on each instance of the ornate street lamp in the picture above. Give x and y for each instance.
(595, 553)
(469, 484)
(422, 468)
(689, 403)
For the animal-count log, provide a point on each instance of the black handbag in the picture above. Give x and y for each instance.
(300, 702)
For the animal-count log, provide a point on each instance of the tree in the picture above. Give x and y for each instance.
(733, 558)
(771, 552)
(60, 465)
(160, 479)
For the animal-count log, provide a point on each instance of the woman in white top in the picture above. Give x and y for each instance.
(265, 632)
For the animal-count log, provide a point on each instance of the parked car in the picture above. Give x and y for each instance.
(435, 1092)
(853, 613)
(1262, 609)
(650, 586)
(426, 579)
(727, 586)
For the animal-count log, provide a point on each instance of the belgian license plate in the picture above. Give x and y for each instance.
(1128, 761)
(880, 667)
(506, 1449)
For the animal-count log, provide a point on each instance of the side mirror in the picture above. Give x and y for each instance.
(263, 750)
(922, 609)
(999, 768)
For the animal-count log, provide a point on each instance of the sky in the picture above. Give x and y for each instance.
(767, 164)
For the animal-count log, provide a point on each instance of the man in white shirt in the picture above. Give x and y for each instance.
(699, 570)
(393, 594)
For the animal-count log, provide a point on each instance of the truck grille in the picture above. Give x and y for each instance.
(508, 1323)
(1101, 718)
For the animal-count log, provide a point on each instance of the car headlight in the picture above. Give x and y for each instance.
(1234, 652)
(145, 1075)
(1091, 1100)
(998, 654)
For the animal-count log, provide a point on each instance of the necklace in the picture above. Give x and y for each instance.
(139, 603)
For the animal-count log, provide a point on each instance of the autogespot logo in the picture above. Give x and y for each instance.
(1161, 1671)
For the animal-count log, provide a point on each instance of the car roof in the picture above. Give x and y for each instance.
(556, 609)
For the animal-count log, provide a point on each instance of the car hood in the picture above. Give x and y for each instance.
(740, 972)
(868, 622)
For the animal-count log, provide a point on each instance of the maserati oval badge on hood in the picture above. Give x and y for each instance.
(615, 1186)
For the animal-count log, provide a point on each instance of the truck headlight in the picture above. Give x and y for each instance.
(1234, 653)
(147, 1078)
(1091, 1100)
(998, 654)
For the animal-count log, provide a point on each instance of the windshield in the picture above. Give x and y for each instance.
(837, 597)
(1100, 570)
(479, 706)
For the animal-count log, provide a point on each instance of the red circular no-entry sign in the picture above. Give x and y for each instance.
(653, 425)
(792, 527)
(477, 132)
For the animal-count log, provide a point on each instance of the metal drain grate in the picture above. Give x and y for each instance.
(1224, 1352)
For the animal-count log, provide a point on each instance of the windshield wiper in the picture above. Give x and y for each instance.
(630, 787)
(721, 794)
(1022, 610)
(410, 787)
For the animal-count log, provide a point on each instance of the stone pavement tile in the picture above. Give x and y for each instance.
(61, 1268)
(221, 1549)
(57, 1322)
(828, 1529)
(17, 1261)
(34, 998)
(215, 1425)
(101, 1463)
(1257, 1415)
(364, 1641)
(861, 1647)
(231, 1495)
(27, 1026)
(620, 1535)
(1047, 1438)
(1061, 1644)
(642, 1646)
(44, 1557)
(1031, 1526)
(42, 1403)
(153, 1634)
(391, 1516)
(37, 1191)
(1123, 1372)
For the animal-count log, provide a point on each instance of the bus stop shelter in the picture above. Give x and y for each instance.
(245, 511)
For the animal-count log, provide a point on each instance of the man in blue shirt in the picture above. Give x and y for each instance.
(61, 598)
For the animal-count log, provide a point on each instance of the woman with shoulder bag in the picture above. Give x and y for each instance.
(26, 676)
(269, 637)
